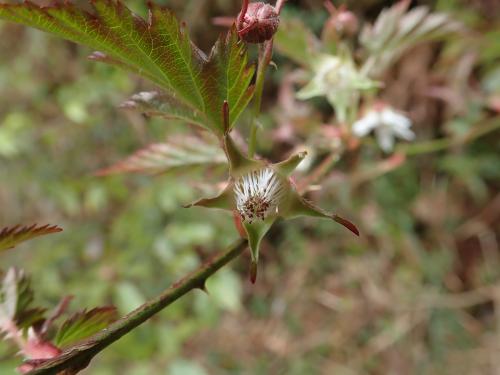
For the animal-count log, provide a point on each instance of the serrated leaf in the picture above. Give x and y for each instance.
(178, 152)
(84, 324)
(154, 103)
(226, 77)
(158, 49)
(16, 299)
(398, 29)
(10, 237)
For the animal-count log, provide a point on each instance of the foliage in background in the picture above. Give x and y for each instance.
(417, 294)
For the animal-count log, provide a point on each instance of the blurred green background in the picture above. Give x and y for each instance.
(418, 293)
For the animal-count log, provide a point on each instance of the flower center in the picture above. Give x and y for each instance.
(258, 194)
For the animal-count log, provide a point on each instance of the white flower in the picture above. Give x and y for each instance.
(258, 194)
(339, 80)
(387, 124)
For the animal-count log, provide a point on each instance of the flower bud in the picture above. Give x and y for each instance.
(259, 23)
(341, 22)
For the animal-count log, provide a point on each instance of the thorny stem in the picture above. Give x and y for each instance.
(78, 357)
(265, 55)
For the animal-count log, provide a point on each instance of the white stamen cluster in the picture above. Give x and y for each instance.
(258, 194)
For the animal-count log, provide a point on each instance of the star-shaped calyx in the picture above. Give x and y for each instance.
(258, 193)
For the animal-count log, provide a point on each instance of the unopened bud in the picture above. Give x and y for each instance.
(259, 23)
(341, 22)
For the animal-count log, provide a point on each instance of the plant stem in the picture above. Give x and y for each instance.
(244, 8)
(78, 357)
(265, 55)
(435, 145)
(279, 5)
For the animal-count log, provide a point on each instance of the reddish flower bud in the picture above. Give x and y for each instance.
(259, 23)
(342, 22)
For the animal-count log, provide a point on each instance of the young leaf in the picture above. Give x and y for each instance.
(398, 29)
(16, 299)
(160, 104)
(84, 324)
(179, 152)
(158, 49)
(226, 77)
(10, 237)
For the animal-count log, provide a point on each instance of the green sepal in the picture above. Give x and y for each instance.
(239, 164)
(286, 167)
(223, 201)
(299, 206)
(255, 232)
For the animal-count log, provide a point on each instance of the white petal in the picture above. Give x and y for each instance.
(394, 119)
(404, 133)
(366, 124)
(385, 138)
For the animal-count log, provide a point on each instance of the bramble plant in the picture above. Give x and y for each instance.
(209, 91)
(219, 97)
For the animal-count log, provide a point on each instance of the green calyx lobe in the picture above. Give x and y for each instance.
(288, 204)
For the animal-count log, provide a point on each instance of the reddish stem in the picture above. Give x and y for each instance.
(330, 7)
(244, 8)
(279, 5)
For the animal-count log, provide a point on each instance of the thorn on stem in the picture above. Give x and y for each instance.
(203, 287)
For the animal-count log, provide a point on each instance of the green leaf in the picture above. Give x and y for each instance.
(179, 153)
(158, 49)
(84, 324)
(11, 237)
(16, 299)
(398, 29)
(226, 76)
(160, 104)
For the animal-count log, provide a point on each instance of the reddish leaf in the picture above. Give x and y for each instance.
(157, 48)
(10, 237)
(179, 152)
(16, 300)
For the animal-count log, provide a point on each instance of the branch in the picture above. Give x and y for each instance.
(78, 357)
(265, 56)
(279, 5)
